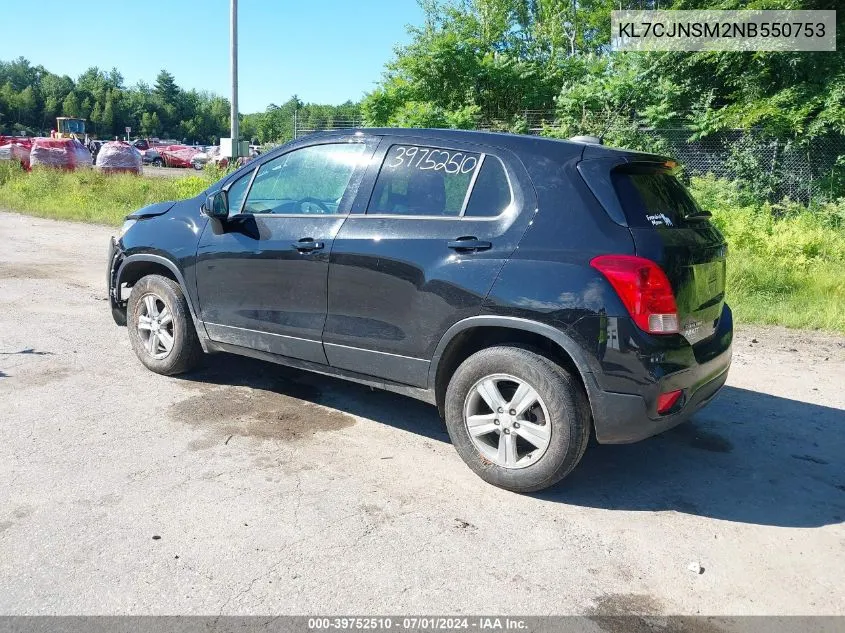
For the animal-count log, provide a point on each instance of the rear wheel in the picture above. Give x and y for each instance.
(160, 326)
(517, 419)
(157, 162)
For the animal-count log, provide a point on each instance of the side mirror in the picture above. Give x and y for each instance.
(216, 205)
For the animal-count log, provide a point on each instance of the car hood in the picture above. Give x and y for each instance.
(159, 208)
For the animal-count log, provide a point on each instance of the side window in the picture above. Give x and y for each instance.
(491, 193)
(418, 180)
(311, 180)
(237, 191)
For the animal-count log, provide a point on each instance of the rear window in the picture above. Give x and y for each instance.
(654, 198)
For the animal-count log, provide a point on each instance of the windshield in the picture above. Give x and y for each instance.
(73, 126)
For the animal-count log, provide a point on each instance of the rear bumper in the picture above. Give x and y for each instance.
(623, 418)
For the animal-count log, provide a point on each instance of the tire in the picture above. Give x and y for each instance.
(559, 419)
(157, 162)
(184, 351)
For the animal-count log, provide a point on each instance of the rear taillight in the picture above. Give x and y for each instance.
(666, 401)
(644, 289)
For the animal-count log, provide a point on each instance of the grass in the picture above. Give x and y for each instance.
(786, 263)
(89, 195)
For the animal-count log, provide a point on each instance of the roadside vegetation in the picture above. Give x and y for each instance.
(786, 261)
(89, 195)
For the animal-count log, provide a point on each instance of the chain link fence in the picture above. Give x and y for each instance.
(770, 168)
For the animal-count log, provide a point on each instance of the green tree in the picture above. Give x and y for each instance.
(97, 118)
(108, 120)
(70, 106)
(150, 125)
(166, 89)
(85, 108)
(27, 106)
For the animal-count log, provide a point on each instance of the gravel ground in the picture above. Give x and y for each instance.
(248, 488)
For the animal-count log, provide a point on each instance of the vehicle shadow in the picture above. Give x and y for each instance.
(397, 411)
(747, 457)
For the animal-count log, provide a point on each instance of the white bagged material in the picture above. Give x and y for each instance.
(117, 156)
(15, 151)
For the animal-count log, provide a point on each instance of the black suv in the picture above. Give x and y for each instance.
(536, 291)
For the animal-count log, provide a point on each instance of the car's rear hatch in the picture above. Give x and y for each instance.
(671, 229)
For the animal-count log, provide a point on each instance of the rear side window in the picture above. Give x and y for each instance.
(653, 198)
(429, 181)
(491, 193)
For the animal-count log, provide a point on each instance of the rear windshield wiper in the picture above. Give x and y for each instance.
(701, 214)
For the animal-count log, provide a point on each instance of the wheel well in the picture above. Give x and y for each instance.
(139, 269)
(472, 340)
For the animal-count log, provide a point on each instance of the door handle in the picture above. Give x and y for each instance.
(308, 245)
(469, 245)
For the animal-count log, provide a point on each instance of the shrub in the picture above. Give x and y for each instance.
(786, 261)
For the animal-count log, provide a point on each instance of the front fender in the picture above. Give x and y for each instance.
(131, 261)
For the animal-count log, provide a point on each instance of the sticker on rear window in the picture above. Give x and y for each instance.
(659, 219)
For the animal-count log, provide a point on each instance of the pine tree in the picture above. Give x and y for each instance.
(108, 117)
(166, 88)
(97, 117)
(70, 107)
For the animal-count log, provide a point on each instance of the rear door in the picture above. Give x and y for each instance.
(671, 229)
(428, 234)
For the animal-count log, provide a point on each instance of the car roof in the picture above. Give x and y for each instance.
(495, 139)
(518, 143)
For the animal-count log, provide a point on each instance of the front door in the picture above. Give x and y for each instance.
(262, 273)
(431, 229)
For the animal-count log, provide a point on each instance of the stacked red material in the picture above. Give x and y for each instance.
(177, 155)
(16, 148)
(119, 157)
(62, 153)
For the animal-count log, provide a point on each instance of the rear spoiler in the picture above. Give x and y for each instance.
(592, 152)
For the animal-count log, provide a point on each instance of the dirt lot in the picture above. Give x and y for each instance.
(247, 488)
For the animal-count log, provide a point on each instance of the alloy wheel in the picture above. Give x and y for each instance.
(507, 421)
(155, 326)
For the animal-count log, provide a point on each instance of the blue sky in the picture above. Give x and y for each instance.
(324, 51)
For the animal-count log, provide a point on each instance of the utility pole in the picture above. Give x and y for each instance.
(233, 36)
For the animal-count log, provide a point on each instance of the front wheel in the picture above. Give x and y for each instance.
(157, 162)
(517, 419)
(161, 329)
